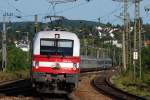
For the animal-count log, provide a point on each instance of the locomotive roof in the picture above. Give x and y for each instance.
(51, 34)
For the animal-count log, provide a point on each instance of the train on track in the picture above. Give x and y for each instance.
(55, 61)
(100, 63)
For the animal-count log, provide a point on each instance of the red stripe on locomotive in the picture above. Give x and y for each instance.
(52, 71)
(56, 59)
(69, 59)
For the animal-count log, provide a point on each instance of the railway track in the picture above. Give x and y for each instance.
(17, 87)
(102, 84)
(23, 88)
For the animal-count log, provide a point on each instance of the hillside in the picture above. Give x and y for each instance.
(66, 22)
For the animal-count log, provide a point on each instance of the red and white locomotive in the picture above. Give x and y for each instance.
(55, 61)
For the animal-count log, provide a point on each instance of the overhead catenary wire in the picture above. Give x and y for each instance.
(113, 12)
(15, 15)
(23, 15)
(67, 9)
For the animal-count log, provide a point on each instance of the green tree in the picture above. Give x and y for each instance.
(17, 59)
(146, 57)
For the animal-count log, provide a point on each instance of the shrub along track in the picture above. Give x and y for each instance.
(102, 84)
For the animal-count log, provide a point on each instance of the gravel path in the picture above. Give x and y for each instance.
(86, 92)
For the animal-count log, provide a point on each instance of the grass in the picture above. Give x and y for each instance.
(139, 87)
(12, 75)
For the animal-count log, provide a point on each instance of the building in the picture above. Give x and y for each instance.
(109, 32)
(23, 45)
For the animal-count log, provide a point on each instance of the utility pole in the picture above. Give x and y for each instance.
(129, 45)
(137, 37)
(4, 41)
(4, 45)
(125, 35)
(137, 40)
(28, 45)
(99, 21)
(36, 23)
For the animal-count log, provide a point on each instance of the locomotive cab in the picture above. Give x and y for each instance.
(55, 61)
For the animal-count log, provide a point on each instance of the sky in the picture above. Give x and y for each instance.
(107, 10)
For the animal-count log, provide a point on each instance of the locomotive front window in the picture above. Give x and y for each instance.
(61, 47)
(67, 44)
(47, 43)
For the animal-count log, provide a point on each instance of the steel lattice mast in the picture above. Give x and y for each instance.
(137, 36)
(4, 41)
(137, 40)
(4, 45)
(125, 35)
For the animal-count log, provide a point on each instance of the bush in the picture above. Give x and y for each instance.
(17, 59)
(146, 57)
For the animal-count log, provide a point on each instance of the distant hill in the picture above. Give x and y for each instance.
(77, 23)
(66, 23)
(18, 29)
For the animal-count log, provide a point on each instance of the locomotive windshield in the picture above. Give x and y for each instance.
(61, 47)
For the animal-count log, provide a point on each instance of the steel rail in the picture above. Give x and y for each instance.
(103, 84)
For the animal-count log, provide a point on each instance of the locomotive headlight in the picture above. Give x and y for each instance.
(74, 66)
(36, 65)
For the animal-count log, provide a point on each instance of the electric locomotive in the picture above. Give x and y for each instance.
(55, 61)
